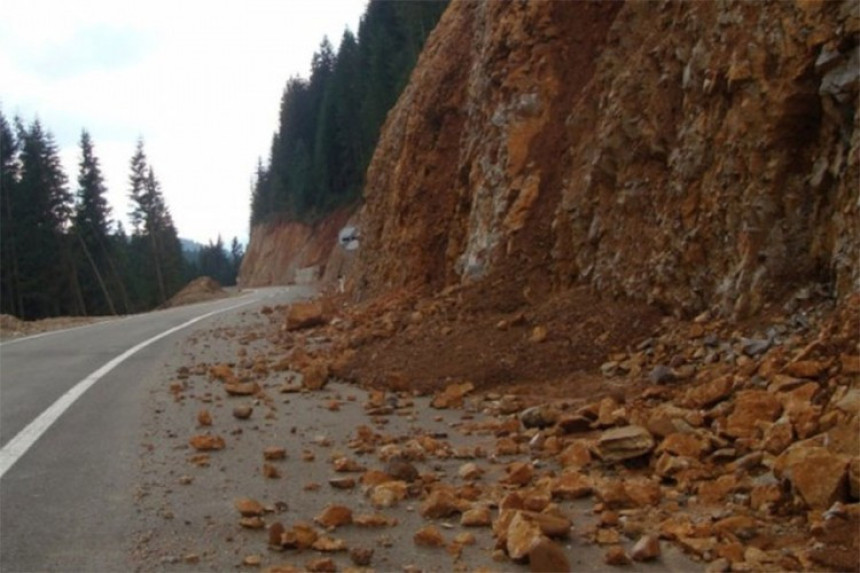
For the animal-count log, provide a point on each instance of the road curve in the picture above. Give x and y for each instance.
(66, 500)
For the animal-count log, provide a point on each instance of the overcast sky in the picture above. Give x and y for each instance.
(199, 81)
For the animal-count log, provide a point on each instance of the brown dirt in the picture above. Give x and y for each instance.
(12, 327)
(201, 289)
(488, 334)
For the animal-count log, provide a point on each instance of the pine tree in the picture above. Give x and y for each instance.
(329, 124)
(237, 253)
(154, 252)
(10, 277)
(48, 280)
(91, 227)
(137, 179)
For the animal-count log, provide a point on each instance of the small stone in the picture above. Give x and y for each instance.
(374, 520)
(242, 412)
(708, 393)
(361, 556)
(401, 470)
(334, 516)
(574, 423)
(646, 549)
(507, 447)
(272, 453)
(304, 314)
(642, 491)
(248, 507)
(523, 535)
(388, 494)
(541, 416)
(205, 443)
(716, 491)
(806, 369)
(321, 565)
(276, 531)
(752, 347)
(328, 544)
(607, 536)
(204, 418)
(200, 460)
(741, 526)
(429, 536)
(315, 376)
(343, 465)
(452, 395)
(252, 522)
(300, 536)
(778, 436)
(242, 388)
(470, 471)
(539, 334)
(441, 503)
(222, 372)
(271, 472)
(477, 517)
(252, 561)
(550, 524)
(342, 482)
(662, 374)
(752, 407)
(575, 456)
(548, 557)
(624, 443)
(191, 558)
(616, 555)
(571, 485)
(519, 473)
(818, 475)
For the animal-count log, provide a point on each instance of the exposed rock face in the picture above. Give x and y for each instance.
(277, 251)
(695, 155)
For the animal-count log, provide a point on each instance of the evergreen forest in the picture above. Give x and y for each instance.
(62, 254)
(329, 123)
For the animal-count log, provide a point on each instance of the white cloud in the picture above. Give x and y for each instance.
(199, 81)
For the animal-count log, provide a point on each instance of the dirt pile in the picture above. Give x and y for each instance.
(13, 327)
(699, 156)
(200, 289)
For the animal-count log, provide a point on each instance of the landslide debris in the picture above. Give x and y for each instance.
(735, 443)
(201, 289)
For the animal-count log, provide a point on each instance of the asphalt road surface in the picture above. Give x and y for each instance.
(69, 427)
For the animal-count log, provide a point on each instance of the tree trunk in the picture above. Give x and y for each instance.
(95, 268)
(158, 275)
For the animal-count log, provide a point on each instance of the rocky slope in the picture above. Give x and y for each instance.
(693, 155)
(277, 251)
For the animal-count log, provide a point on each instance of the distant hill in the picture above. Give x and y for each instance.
(190, 248)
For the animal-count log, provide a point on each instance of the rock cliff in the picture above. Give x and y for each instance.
(694, 155)
(278, 251)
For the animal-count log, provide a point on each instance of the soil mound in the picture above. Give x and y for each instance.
(200, 289)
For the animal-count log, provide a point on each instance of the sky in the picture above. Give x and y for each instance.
(199, 81)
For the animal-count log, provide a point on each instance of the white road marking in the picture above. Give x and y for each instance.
(18, 446)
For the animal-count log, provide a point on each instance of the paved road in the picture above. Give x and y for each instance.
(66, 501)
